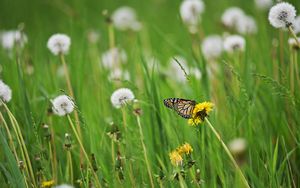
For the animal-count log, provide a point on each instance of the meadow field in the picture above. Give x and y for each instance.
(149, 93)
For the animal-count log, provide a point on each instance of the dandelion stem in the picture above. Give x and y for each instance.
(124, 117)
(296, 67)
(69, 158)
(228, 153)
(68, 80)
(111, 36)
(294, 35)
(51, 159)
(281, 53)
(84, 152)
(113, 152)
(53, 149)
(292, 81)
(145, 151)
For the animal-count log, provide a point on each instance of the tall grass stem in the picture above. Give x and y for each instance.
(228, 153)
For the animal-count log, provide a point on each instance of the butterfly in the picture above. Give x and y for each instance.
(183, 107)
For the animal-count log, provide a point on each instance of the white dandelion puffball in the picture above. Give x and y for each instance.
(59, 44)
(64, 185)
(296, 25)
(292, 42)
(231, 16)
(113, 57)
(121, 97)
(246, 25)
(282, 15)
(62, 105)
(190, 11)
(124, 18)
(212, 47)
(5, 92)
(234, 43)
(263, 4)
(237, 146)
(175, 70)
(10, 38)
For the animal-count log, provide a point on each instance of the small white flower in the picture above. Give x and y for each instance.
(231, 15)
(246, 25)
(234, 43)
(121, 97)
(263, 4)
(282, 15)
(118, 74)
(237, 146)
(59, 44)
(212, 47)
(62, 105)
(175, 70)
(292, 42)
(10, 38)
(64, 185)
(190, 11)
(124, 18)
(113, 57)
(5, 92)
(296, 25)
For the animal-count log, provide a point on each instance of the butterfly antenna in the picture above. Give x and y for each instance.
(181, 67)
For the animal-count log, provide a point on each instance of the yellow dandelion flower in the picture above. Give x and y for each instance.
(185, 149)
(48, 183)
(176, 158)
(200, 111)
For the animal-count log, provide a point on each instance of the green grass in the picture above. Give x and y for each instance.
(263, 111)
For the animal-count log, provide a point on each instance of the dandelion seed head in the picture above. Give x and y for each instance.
(231, 16)
(124, 18)
(113, 57)
(296, 25)
(190, 11)
(282, 15)
(121, 97)
(10, 38)
(5, 92)
(64, 186)
(237, 145)
(263, 4)
(246, 25)
(234, 43)
(212, 47)
(62, 105)
(59, 44)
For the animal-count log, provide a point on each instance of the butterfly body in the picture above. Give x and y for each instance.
(183, 107)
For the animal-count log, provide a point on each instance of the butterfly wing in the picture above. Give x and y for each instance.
(183, 107)
(170, 102)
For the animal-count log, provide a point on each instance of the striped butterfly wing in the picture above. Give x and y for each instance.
(183, 107)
